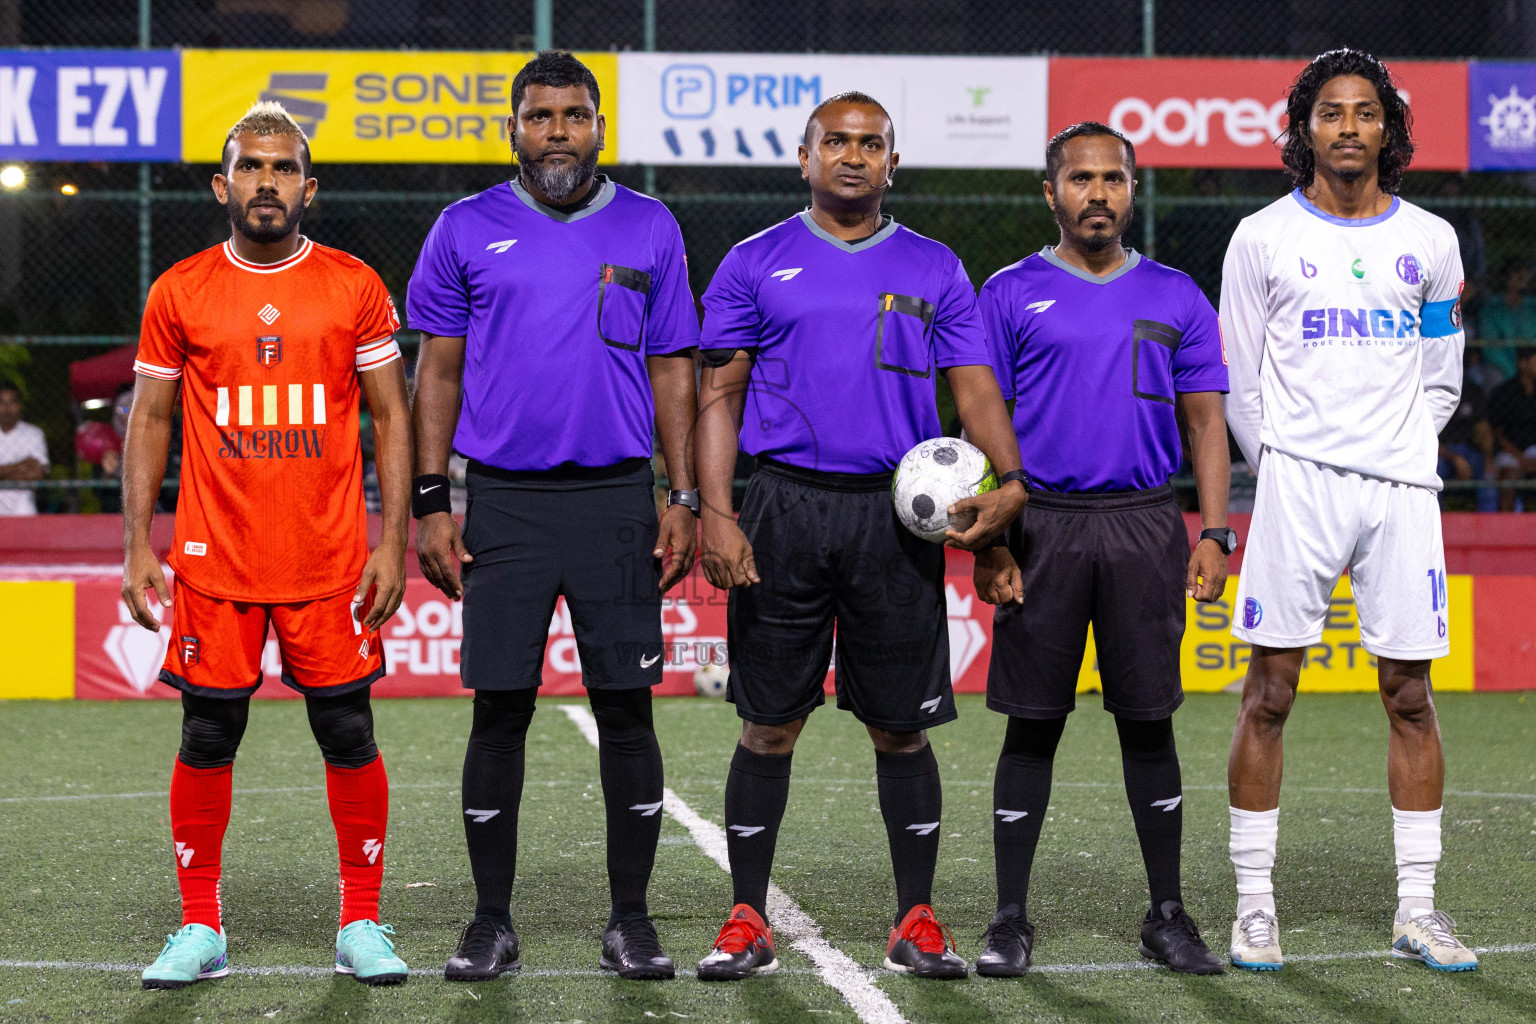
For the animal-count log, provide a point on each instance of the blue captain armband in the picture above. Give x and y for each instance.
(1440, 319)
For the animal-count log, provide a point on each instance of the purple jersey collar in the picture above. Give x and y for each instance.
(603, 198)
(887, 229)
(1132, 259)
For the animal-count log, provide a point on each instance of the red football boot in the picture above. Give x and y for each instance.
(744, 947)
(923, 947)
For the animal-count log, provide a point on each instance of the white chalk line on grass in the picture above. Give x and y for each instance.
(833, 966)
(243, 792)
(1090, 968)
(1303, 958)
(691, 783)
(289, 971)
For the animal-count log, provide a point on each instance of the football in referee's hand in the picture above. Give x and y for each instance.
(933, 476)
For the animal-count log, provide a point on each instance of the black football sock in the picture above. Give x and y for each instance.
(911, 802)
(629, 762)
(1021, 792)
(493, 791)
(1156, 793)
(756, 792)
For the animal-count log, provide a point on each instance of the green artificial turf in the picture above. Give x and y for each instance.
(90, 882)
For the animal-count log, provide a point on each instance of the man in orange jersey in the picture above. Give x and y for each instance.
(271, 339)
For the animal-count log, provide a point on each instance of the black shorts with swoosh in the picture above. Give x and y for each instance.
(586, 534)
(832, 556)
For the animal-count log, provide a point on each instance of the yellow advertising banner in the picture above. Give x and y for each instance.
(37, 632)
(1213, 659)
(373, 106)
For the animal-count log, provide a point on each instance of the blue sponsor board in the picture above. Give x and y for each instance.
(1501, 116)
(90, 105)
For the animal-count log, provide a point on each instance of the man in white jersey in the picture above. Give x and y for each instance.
(1340, 310)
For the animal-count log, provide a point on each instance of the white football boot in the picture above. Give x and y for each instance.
(1256, 942)
(1427, 937)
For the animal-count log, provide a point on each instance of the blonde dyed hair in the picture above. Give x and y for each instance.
(268, 117)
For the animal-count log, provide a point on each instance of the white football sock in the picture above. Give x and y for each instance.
(1416, 837)
(1252, 845)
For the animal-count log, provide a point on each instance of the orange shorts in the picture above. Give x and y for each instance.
(216, 646)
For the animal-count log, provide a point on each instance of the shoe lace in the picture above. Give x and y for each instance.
(375, 938)
(1184, 924)
(1010, 929)
(928, 935)
(1258, 929)
(639, 936)
(735, 935)
(478, 939)
(1439, 924)
(183, 937)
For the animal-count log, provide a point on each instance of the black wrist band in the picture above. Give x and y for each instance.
(1012, 475)
(429, 493)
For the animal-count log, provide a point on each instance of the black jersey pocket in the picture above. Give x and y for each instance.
(902, 343)
(1153, 347)
(621, 298)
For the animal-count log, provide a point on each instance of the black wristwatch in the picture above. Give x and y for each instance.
(1224, 536)
(689, 498)
(1017, 474)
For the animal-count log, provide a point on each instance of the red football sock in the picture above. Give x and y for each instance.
(200, 800)
(359, 799)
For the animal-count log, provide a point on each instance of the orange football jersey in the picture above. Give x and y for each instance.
(271, 505)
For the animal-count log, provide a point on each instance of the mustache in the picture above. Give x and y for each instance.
(267, 199)
(1097, 211)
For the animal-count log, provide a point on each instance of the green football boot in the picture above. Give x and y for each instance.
(365, 951)
(193, 954)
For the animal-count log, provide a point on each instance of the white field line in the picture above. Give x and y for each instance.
(301, 972)
(244, 792)
(980, 783)
(1104, 968)
(1290, 958)
(833, 966)
(809, 780)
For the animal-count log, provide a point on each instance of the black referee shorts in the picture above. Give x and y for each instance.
(832, 556)
(587, 534)
(1117, 561)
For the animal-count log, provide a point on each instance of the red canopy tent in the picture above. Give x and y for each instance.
(102, 376)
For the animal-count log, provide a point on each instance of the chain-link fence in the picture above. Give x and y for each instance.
(1402, 28)
(79, 242)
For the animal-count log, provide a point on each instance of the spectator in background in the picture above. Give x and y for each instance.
(1466, 443)
(99, 447)
(1508, 316)
(1469, 234)
(1512, 413)
(23, 454)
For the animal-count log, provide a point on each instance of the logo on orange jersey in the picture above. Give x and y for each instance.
(268, 313)
(269, 350)
(190, 648)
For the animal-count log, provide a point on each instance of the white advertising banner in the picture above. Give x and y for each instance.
(750, 109)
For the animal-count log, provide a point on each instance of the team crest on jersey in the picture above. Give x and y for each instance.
(269, 350)
(1408, 268)
(1253, 613)
(1456, 309)
(191, 648)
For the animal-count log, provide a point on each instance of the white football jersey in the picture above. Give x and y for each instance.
(1343, 337)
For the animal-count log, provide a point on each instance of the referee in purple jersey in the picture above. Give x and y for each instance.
(558, 332)
(823, 336)
(1102, 350)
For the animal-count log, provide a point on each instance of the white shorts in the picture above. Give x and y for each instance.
(1310, 523)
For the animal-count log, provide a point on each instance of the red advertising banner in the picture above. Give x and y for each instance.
(1228, 113)
(118, 659)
